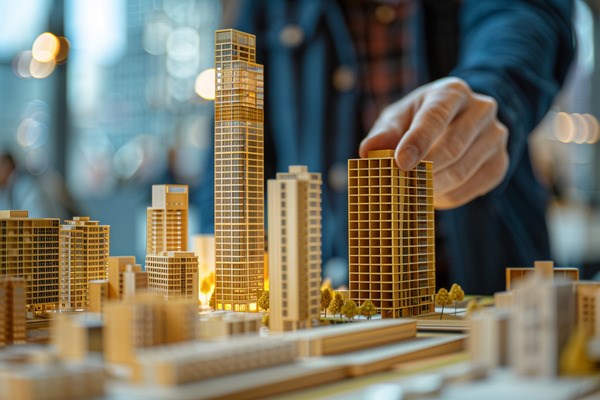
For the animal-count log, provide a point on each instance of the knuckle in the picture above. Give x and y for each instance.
(456, 175)
(454, 148)
(458, 84)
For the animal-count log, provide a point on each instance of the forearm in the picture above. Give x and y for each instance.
(517, 52)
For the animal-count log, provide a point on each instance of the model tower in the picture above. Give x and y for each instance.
(294, 200)
(12, 311)
(167, 219)
(84, 252)
(239, 192)
(391, 235)
(29, 249)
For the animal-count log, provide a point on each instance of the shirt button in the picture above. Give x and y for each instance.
(344, 78)
(291, 36)
(385, 14)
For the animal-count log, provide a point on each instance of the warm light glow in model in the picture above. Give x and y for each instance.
(205, 84)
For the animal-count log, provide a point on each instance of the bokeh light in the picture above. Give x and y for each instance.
(45, 47)
(564, 129)
(41, 70)
(205, 84)
(37, 161)
(63, 50)
(576, 128)
(21, 64)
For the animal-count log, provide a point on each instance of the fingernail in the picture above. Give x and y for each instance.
(408, 157)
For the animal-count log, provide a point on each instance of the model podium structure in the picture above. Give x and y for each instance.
(167, 219)
(239, 176)
(294, 200)
(84, 251)
(125, 277)
(12, 311)
(172, 270)
(29, 249)
(391, 235)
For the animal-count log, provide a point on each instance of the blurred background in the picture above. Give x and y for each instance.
(101, 99)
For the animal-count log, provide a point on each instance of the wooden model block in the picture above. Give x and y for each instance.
(542, 268)
(543, 321)
(174, 274)
(185, 363)
(504, 300)
(84, 252)
(221, 324)
(98, 295)
(36, 375)
(329, 340)
(13, 312)
(75, 335)
(587, 300)
(391, 235)
(30, 250)
(146, 320)
(117, 268)
(239, 176)
(488, 339)
(294, 200)
(167, 219)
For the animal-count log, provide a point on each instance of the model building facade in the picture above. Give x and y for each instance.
(174, 274)
(391, 235)
(167, 219)
(587, 300)
(294, 200)
(543, 320)
(239, 192)
(125, 277)
(29, 249)
(84, 252)
(13, 313)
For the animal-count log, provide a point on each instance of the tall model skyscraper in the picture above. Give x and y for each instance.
(29, 249)
(294, 202)
(84, 252)
(391, 235)
(239, 192)
(167, 219)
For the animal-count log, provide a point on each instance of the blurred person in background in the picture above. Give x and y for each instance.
(460, 83)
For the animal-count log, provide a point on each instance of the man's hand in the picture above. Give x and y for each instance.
(445, 122)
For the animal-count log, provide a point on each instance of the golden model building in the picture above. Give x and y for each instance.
(391, 235)
(29, 249)
(167, 219)
(173, 274)
(294, 200)
(84, 252)
(125, 277)
(12, 310)
(239, 201)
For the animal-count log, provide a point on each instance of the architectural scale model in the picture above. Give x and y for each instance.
(167, 219)
(294, 204)
(75, 335)
(191, 362)
(239, 176)
(146, 320)
(391, 235)
(98, 295)
(587, 300)
(222, 324)
(346, 338)
(204, 248)
(488, 338)
(543, 320)
(84, 251)
(125, 277)
(173, 274)
(33, 373)
(29, 249)
(13, 312)
(541, 267)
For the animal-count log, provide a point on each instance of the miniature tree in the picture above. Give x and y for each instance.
(326, 296)
(263, 300)
(265, 320)
(368, 309)
(349, 310)
(336, 304)
(456, 294)
(442, 298)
